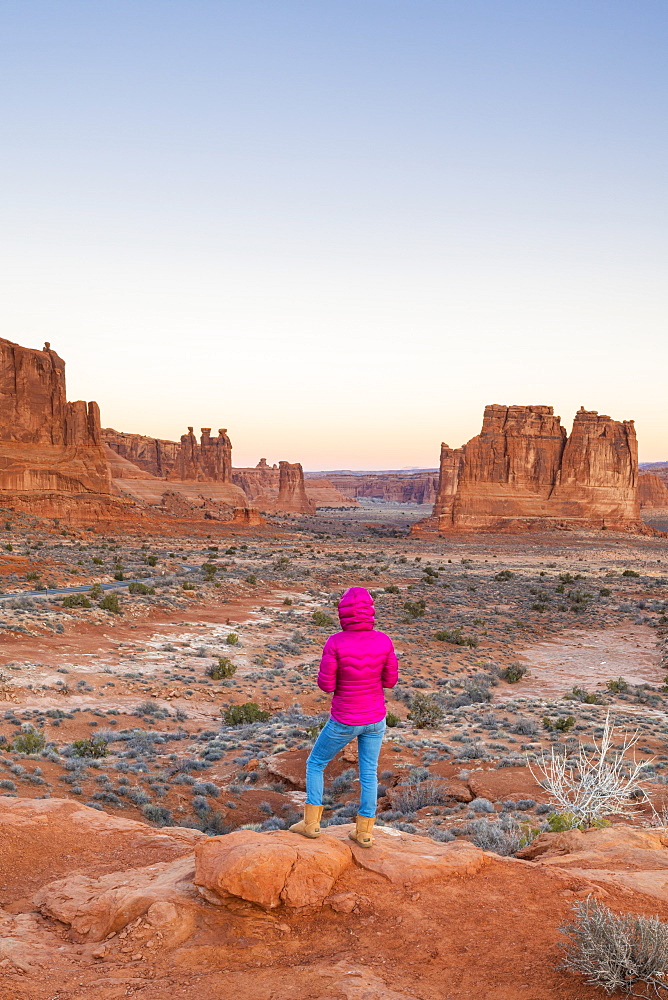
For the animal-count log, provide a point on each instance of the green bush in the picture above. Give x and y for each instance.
(288, 602)
(93, 746)
(415, 609)
(586, 697)
(618, 686)
(425, 712)
(29, 741)
(95, 592)
(151, 560)
(392, 589)
(224, 668)
(252, 579)
(119, 575)
(505, 574)
(513, 673)
(237, 715)
(232, 639)
(76, 601)
(630, 572)
(322, 619)
(188, 586)
(456, 638)
(392, 720)
(561, 725)
(111, 603)
(140, 588)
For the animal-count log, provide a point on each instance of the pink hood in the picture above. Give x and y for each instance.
(356, 610)
(357, 663)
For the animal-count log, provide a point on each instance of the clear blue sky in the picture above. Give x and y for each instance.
(339, 228)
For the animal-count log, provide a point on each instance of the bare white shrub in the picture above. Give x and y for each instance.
(618, 952)
(592, 784)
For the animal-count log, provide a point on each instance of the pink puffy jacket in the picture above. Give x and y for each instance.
(357, 663)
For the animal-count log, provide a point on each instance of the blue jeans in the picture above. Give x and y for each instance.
(334, 737)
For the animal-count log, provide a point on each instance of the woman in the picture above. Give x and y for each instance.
(356, 665)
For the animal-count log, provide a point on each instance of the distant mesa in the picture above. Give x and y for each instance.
(523, 471)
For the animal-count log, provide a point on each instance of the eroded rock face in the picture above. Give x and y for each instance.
(270, 870)
(46, 443)
(396, 487)
(291, 496)
(523, 471)
(188, 460)
(652, 491)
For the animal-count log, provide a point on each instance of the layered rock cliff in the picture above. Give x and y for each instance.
(209, 460)
(523, 470)
(652, 491)
(394, 487)
(46, 443)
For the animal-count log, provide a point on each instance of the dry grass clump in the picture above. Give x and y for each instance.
(624, 953)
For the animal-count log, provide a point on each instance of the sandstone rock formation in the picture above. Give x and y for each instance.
(652, 491)
(523, 471)
(395, 487)
(155, 456)
(46, 443)
(291, 492)
(262, 484)
(209, 460)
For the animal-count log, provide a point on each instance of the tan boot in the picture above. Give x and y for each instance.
(309, 826)
(362, 832)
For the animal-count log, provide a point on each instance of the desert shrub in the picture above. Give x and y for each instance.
(206, 788)
(224, 668)
(343, 782)
(586, 697)
(111, 603)
(415, 609)
(232, 639)
(630, 572)
(140, 588)
(157, 814)
(524, 727)
(417, 794)
(392, 720)
(513, 673)
(321, 618)
(442, 836)
(505, 837)
(95, 592)
(481, 805)
(7, 786)
(562, 724)
(237, 715)
(456, 638)
(505, 574)
(617, 686)
(618, 952)
(76, 601)
(392, 589)
(425, 712)
(187, 586)
(30, 740)
(93, 746)
(605, 592)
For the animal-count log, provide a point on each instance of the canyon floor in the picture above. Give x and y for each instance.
(121, 756)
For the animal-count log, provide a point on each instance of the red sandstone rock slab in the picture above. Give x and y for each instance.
(506, 783)
(96, 907)
(270, 869)
(404, 859)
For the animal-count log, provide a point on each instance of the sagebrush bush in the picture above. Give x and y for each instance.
(321, 618)
(617, 952)
(513, 673)
(416, 795)
(425, 712)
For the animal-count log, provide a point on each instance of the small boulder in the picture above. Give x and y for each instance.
(270, 869)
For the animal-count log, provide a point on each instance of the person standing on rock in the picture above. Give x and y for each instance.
(356, 665)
